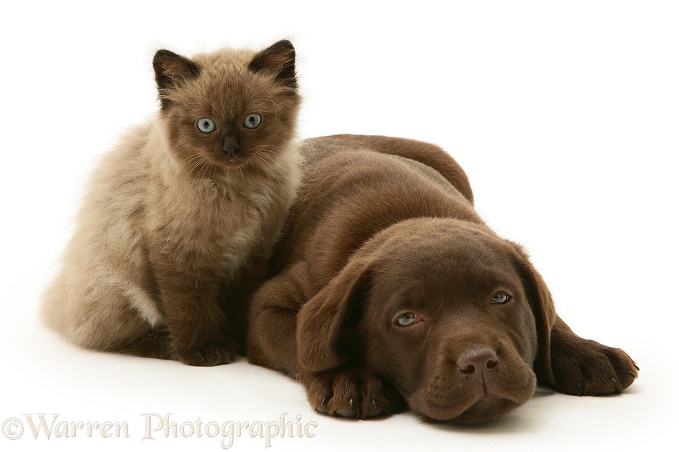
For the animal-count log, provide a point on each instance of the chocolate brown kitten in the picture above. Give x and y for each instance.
(180, 217)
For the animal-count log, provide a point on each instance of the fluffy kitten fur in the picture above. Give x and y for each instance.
(177, 225)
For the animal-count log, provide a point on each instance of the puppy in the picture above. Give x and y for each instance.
(388, 291)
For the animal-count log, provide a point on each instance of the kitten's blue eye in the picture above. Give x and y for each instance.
(206, 125)
(252, 121)
(500, 298)
(407, 319)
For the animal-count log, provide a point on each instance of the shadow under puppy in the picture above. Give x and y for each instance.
(389, 290)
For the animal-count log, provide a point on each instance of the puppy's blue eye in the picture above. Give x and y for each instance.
(500, 298)
(407, 319)
(252, 121)
(206, 125)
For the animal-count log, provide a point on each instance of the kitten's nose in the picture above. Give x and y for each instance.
(231, 147)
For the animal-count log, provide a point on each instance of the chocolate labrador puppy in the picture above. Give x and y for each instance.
(389, 291)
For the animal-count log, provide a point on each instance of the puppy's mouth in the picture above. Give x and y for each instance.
(472, 404)
(483, 409)
(486, 409)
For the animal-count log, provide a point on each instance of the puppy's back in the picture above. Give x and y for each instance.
(355, 186)
(426, 153)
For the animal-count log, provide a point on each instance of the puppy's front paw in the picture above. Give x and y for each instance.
(585, 367)
(350, 392)
(208, 353)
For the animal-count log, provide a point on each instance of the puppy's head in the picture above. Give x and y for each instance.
(453, 317)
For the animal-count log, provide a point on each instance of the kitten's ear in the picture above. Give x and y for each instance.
(279, 59)
(172, 70)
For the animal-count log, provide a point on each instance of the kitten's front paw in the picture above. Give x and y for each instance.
(207, 354)
(585, 367)
(350, 392)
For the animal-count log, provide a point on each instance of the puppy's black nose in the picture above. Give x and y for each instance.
(478, 362)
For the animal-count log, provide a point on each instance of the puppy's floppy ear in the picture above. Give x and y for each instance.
(321, 319)
(543, 311)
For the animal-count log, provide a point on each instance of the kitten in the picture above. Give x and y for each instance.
(177, 225)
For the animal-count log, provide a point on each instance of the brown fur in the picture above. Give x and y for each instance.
(176, 228)
(383, 231)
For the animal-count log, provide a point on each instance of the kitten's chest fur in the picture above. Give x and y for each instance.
(215, 224)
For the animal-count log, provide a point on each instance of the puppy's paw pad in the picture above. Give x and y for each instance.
(208, 354)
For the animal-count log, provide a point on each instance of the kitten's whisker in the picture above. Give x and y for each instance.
(191, 164)
(268, 159)
(261, 160)
(205, 170)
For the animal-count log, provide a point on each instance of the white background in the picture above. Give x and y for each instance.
(564, 114)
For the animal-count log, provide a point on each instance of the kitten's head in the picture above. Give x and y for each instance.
(232, 108)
